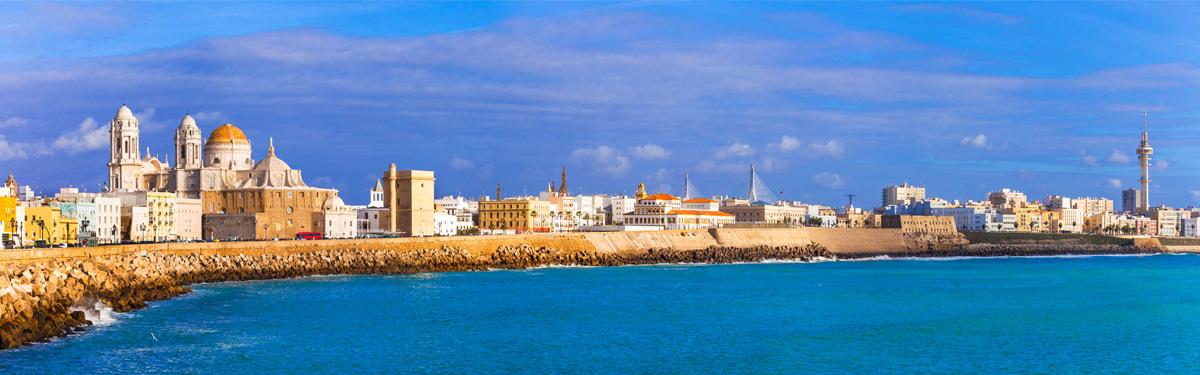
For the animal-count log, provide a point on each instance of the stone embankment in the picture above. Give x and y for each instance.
(48, 297)
(48, 293)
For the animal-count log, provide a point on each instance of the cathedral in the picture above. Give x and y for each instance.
(268, 197)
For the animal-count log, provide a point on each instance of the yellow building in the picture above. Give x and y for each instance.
(515, 215)
(46, 223)
(8, 221)
(1029, 217)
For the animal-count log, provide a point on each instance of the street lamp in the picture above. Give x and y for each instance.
(143, 228)
(84, 228)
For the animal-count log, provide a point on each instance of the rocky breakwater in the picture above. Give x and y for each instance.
(50, 297)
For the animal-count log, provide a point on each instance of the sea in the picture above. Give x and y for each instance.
(1099, 314)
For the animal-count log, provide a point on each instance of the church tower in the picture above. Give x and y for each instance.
(124, 164)
(562, 190)
(187, 144)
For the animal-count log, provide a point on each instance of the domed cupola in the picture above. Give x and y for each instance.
(228, 148)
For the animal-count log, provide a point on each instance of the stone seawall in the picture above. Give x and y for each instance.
(47, 292)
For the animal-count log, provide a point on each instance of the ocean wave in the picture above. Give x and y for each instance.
(957, 258)
(97, 312)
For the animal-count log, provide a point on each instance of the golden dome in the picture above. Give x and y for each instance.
(227, 134)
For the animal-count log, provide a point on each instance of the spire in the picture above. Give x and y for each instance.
(641, 191)
(752, 197)
(687, 194)
(562, 190)
(1145, 129)
(270, 146)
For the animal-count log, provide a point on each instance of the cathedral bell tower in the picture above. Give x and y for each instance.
(188, 144)
(124, 164)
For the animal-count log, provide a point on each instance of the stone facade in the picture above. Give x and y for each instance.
(934, 225)
(408, 197)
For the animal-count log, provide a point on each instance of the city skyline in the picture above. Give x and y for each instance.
(823, 100)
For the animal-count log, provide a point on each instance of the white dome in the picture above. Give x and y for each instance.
(334, 202)
(124, 113)
(188, 122)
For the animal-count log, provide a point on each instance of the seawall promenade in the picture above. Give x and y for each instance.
(49, 292)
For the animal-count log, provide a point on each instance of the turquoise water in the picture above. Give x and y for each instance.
(1045, 315)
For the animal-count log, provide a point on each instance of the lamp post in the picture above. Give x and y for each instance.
(84, 229)
(114, 233)
(143, 228)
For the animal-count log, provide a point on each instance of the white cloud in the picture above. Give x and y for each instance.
(651, 151)
(1196, 195)
(602, 159)
(206, 116)
(737, 149)
(11, 151)
(486, 171)
(1118, 157)
(1114, 183)
(709, 166)
(89, 136)
(1162, 165)
(663, 174)
(788, 143)
(13, 121)
(832, 148)
(459, 164)
(979, 141)
(829, 180)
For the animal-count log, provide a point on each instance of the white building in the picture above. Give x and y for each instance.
(902, 194)
(376, 196)
(464, 211)
(618, 206)
(444, 224)
(189, 213)
(978, 219)
(1070, 220)
(1189, 227)
(667, 211)
(1168, 220)
(370, 222)
(135, 224)
(99, 217)
(340, 220)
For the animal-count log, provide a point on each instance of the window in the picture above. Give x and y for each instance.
(289, 210)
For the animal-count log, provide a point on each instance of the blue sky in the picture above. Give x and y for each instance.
(825, 98)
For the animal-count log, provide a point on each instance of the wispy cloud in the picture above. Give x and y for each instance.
(89, 135)
(13, 122)
(829, 180)
(651, 151)
(603, 160)
(459, 164)
(1118, 157)
(978, 141)
(736, 149)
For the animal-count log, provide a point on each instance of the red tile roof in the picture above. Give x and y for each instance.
(660, 197)
(700, 213)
